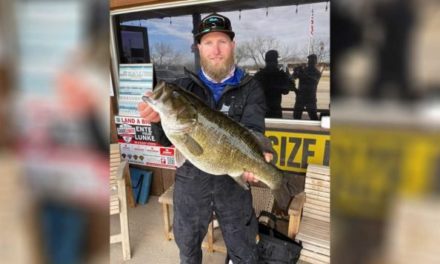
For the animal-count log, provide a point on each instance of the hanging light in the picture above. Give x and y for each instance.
(171, 22)
(267, 10)
(326, 6)
(296, 11)
(239, 14)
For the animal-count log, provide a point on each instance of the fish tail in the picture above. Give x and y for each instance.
(282, 194)
(282, 198)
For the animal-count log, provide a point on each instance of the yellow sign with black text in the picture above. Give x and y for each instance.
(370, 166)
(295, 149)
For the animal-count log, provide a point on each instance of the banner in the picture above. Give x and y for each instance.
(138, 145)
(149, 155)
(372, 165)
(134, 81)
(295, 149)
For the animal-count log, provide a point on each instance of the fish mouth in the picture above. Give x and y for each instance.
(149, 100)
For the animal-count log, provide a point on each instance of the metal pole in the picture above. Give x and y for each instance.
(196, 21)
(312, 28)
(310, 41)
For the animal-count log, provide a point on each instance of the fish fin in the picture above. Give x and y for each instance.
(193, 146)
(241, 182)
(180, 159)
(282, 194)
(187, 113)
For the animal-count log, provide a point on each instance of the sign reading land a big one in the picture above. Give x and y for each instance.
(134, 130)
(138, 146)
(294, 150)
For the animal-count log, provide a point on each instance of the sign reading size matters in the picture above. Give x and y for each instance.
(295, 149)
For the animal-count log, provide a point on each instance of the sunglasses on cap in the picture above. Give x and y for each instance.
(214, 22)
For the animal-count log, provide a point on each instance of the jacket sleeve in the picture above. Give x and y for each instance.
(253, 115)
(263, 142)
(159, 135)
(286, 83)
(254, 109)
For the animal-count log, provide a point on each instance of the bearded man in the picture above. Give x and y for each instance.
(197, 195)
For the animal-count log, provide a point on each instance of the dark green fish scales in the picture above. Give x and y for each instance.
(211, 141)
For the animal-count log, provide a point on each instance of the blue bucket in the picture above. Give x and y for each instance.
(141, 182)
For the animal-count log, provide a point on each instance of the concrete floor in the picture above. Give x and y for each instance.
(148, 243)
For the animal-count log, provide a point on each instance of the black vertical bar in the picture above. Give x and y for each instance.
(196, 21)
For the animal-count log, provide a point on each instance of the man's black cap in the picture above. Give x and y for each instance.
(214, 23)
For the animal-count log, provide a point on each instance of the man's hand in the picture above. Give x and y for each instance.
(249, 176)
(268, 156)
(147, 113)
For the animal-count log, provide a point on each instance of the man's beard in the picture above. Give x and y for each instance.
(218, 71)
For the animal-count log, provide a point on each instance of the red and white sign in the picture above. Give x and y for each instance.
(138, 145)
(149, 155)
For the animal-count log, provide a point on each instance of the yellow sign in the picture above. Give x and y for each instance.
(371, 165)
(295, 149)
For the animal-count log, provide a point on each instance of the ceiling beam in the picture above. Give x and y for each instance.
(179, 7)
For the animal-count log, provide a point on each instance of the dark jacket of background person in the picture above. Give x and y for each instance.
(306, 93)
(275, 82)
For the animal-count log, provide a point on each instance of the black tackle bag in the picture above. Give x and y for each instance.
(274, 247)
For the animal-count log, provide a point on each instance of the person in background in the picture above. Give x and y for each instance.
(197, 194)
(393, 74)
(306, 93)
(275, 83)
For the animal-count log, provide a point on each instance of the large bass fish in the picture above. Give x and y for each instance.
(210, 140)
